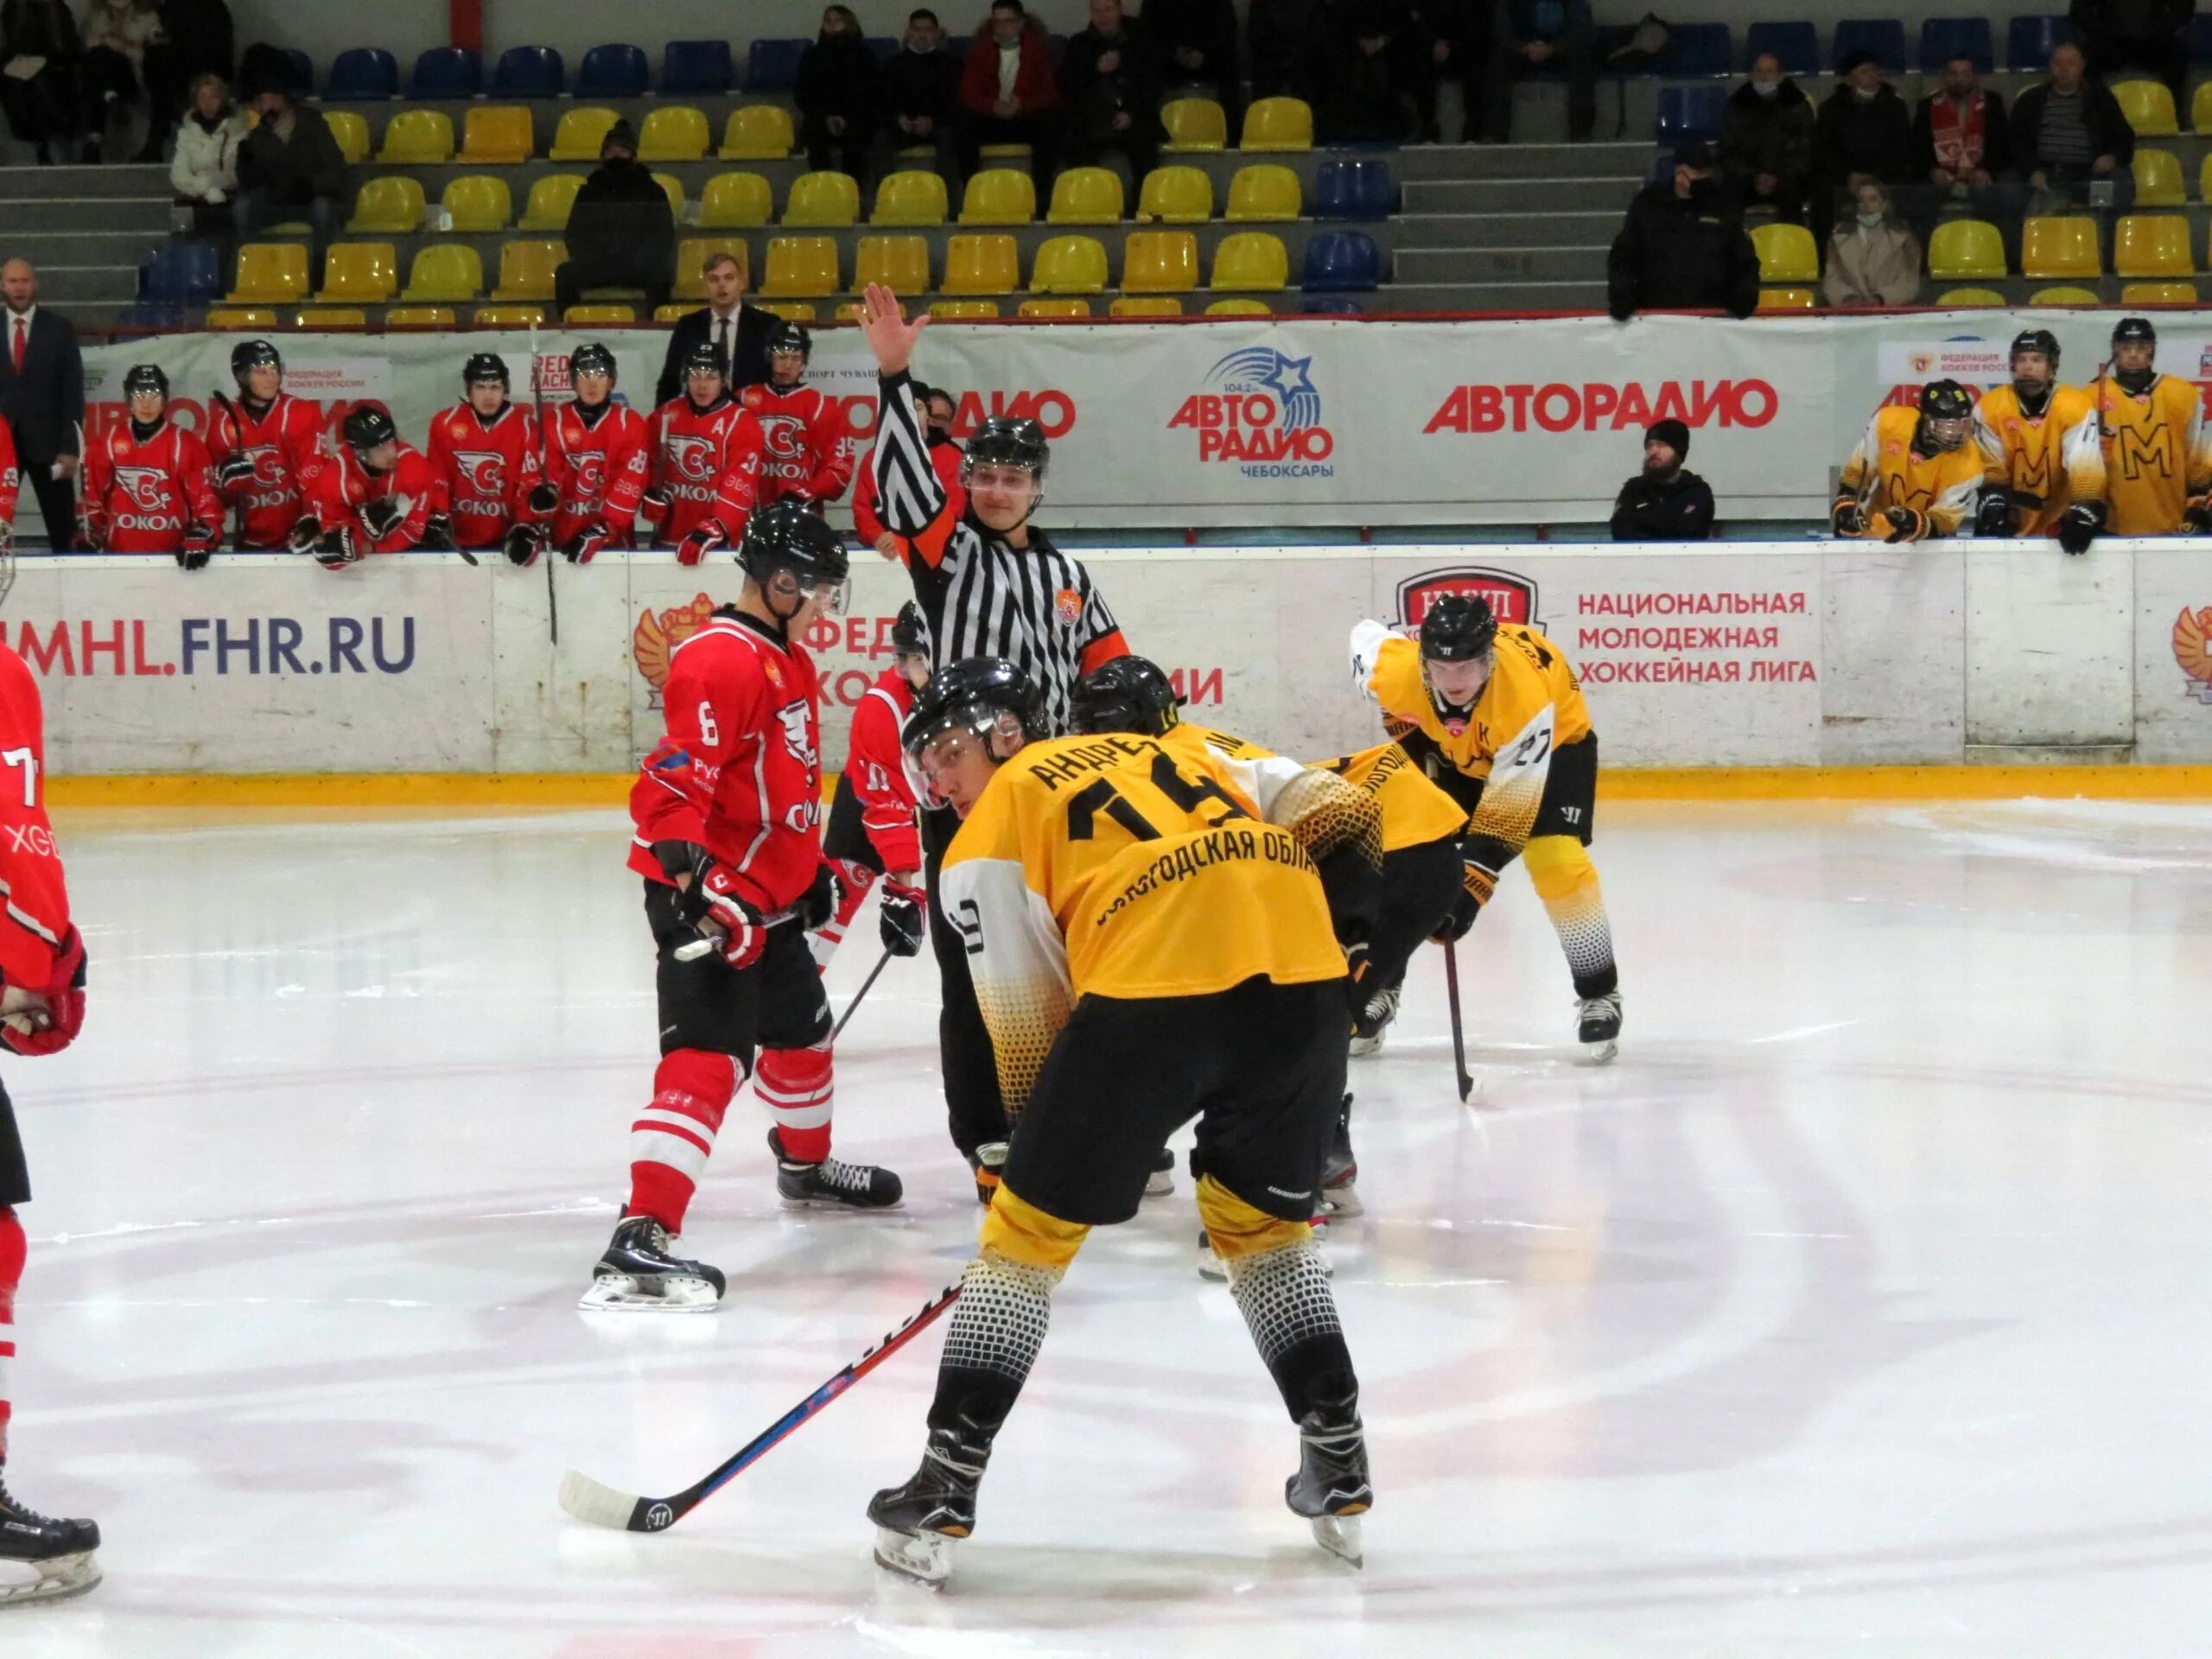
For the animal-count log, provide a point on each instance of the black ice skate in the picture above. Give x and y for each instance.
(831, 1185)
(1340, 1170)
(1162, 1181)
(916, 1524)
(639, 1274)
(1599, 1027)
(42, 1558)
(1331, 1487)
(1375, 1018)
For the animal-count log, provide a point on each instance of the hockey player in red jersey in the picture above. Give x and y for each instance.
(807, 442)
(485, 452)
(148, 486)
(596, 456)
(373, 495)
(872, 830)
(729, 841)
(43, 964)
(261, 447)
(706, 459)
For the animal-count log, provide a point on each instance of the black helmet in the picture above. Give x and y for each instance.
(703, 359)
(909, 638)
(145, 376)
(2135, 328)
(484, 365)
(368, 427)
(790, 337)
(2036, 339)
(1457, 628)
(786, 536)
(972, 693)
(1006, 441)
(591, 358)
(1126, 694)
(251, 354)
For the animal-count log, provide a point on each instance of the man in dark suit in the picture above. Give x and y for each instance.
(738, 332)
(42, 398)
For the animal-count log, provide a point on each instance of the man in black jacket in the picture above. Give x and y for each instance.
(2150, 34)
(621, 230)
(42, 398)
(1766, 141)
(1109, 94)
(1195, 42)
(2070, 134)
(920, 95)
(836, 95)
(196, 40)
(738, 332)
(1681, 249)
(290, 168)
(1665, 502)
(1864, 132)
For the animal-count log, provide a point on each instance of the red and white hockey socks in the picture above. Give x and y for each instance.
(674, 1137)
(793, 1083)
(853, 882)
(11, 1274)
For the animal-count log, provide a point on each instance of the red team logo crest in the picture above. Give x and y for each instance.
(143, 484)
(1512, 598)
(588, 474)
(485, 469)
(692, 458)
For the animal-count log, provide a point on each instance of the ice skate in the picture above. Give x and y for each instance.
(1331, 1487)
(1374, 1020)
(1340, 1170)
(916, 1524)
(1162, 1181)
(1599, 1027)
(638, 1273)
(42, 1558)
(831, 1185)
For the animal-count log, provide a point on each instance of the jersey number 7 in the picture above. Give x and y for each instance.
(1100, 796)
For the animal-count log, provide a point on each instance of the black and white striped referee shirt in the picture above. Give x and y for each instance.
(979, 595)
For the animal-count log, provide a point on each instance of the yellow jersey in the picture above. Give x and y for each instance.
(1886, 471)
(2151, 455)
(1415, 811)
(2037, 455)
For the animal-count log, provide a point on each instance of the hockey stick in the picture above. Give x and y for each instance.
(602, 1506)
(237, 443)
(882, 963)
(1466, 1084)
(538, 398)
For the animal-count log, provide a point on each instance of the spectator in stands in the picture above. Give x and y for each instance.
(1367, 99)
(261, 66)
(919, 93)
(738, 332)
(1009, 95)
(290, 168)
(2153, 34)
(117, 34)
(1681, 249)
(1665, 502)
(2069, 135)
(1107, 89)
(1193, 42)
(621, 230)
(42, 398)
(1864, 132)
(1963, 150)
(204, 172)
(837, 95)
(1873, 259)
(1766, 141)
(1289, 48)
(1527, 34)
(1445, 40)
(40, 106)
(196, 40)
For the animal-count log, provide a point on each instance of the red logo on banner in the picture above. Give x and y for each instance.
(1264, 417)
(1599, 405)
(1512, 598)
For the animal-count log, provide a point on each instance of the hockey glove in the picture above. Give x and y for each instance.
(1995, 517)
(1846, 519)
(901, 923)
(2079, 524)
(545, 500)
(694, 548)
(307, 531)
(233, 470)
(437, 533)
(193, 558)
(522, 544)
(2197, 520)
(584, 545)
(65, 1003)
(818, 906)
(337, 549)
(1476, 884)
(1906, 525)
(743, 934)
(382, 515)
(655, 506)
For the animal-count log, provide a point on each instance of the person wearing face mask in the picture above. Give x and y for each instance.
(836, 95)
(1665, 502)
(1681, 249)
(936, 410)
(621, 232)
(1863, 131)
(2151, 471)
(1766, 141)
(1873, 260)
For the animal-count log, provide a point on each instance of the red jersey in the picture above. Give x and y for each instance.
(694, 451)
(11, 480)
(154, 497)
(877, 764)
(284, 443)
(34, 918)
(739, 771)
(339, 485)
(600, 467)
(944, 457)
(485, 471)
(807, 444)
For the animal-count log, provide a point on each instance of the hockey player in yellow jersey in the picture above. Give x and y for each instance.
(2152, 468)
(1146, 950)
(1914, 475)
(1495, 714)
(2034, 435)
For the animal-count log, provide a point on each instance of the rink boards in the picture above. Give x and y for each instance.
(1791, 655)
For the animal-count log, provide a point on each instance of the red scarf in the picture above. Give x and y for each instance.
(1960, 140)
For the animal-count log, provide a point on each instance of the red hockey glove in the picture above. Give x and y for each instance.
(584, 545)
(744, 935)
(522, 544)
(655, 506)
(65, 1004)
(694, 548)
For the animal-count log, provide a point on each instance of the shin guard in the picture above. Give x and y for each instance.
(1565, 878)
(673, 1137)
(794, 1084)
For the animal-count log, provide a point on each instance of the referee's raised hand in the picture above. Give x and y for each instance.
(890, 336)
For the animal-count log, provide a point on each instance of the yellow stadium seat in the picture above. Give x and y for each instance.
(1787, 299)
(1264, 191)
(900, 262)
(233, 317)
(791, 310)
(2060, 247)
(2148, 107)
(1069, 264)
(550, 199)
(444, 271)
(1004, 152)
(913, 197)
(672, 188)
(2159, 294)
(1053, 309)
(675, 311)
(391, 205)
(477, 203)
(344, 319)
(823, 200)
(2064, 297)
(1175, 196)
(801, 267)
(999, 195)
(510, 316)
(1130, 306)
(962, 310)
(1969, 296)
(691, 256)
(1254, 261)
(499, 135)
(1964, 250)
(1194, 123)
(986, 264)
(2158, 179)
(1160, 261)
(421, 316)
(592, 317)
(1278, 123)
(758, 132)
(731, 199)
(1786, 254)
(2200, 108)
(272, 272)
(1240, 309)
(2152, 244)
(351, 133)
(417, 137)
(1086, 196)
(527, 269)
(675, 132)
(366, 272)
(580, 135)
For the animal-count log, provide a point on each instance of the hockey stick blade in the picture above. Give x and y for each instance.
(602, 1506)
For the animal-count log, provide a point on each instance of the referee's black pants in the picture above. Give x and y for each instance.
(973, 1109)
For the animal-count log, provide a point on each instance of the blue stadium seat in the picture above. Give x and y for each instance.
(2199, 38)
(1698, 49)
(531, 71)
(181, 273)
(1942, 38)
(772, 66)
(303, 69)
(1796, 44)
(364, 72)
(2030, 41)
(1690, 115)
(1327, 307)
(1345, 188)
(155, 319)
(1341, 262)
(1883, 36)
(447, 72)
(616, 70)
(695, 69)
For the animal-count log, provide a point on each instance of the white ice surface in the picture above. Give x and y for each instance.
(1859, 1308)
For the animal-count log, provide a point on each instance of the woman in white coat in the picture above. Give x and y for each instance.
(205, 171)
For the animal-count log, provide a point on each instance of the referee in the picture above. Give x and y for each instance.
(989, 583)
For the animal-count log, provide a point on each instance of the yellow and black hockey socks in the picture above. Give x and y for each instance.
(1565, 878)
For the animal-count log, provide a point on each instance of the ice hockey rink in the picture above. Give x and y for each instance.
(1858, 1308)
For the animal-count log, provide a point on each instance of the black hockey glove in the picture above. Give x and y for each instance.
(2198, 519)
(545, 500)
(1906, 523)
(437, 533)
(1846, 519)
(584, 545)
(2079, 524)
(1476, 884)
(1994, 519)
(902, 923)
(193, 558)
(382, 515)
(233, 469)
(818, 906)
(337, 549)
(307, 531)
(522, 544)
